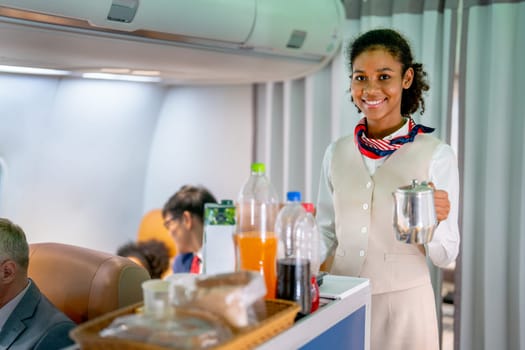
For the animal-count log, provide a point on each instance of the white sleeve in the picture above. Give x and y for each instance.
(444, 247)
(325, 214)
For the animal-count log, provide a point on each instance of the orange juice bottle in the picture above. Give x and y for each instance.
(255, 241)
(258, 253)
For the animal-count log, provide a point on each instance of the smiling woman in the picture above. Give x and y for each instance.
(360, 172)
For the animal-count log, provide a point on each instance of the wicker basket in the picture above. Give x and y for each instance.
(280, 315)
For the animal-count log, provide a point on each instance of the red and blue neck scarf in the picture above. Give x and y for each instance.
(378, 148)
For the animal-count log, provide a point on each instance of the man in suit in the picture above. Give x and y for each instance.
(28, 320)
(183, 216)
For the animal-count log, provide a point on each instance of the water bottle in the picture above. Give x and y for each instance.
(313, 240)
(293, 263)
(255, 241)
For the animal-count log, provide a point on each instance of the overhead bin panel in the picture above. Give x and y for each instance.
(203, 41)
(300, 28)
(223, 20)
(228, 21)
(64, 8)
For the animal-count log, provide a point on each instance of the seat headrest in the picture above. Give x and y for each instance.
(152, 227)
(82, 282)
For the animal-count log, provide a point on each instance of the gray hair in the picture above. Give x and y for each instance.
(13, 243)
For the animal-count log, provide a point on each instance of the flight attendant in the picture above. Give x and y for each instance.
(360, 172)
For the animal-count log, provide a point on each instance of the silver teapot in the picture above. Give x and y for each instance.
(414, 213)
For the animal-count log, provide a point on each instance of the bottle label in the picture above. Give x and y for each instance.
(219, 214)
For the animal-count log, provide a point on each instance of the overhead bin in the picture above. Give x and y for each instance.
(306, 29)
(221, 20)
(275, 32)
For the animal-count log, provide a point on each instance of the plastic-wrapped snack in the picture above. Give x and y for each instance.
(236, 297)
(131, 327)
(186, 329)
(182, 288)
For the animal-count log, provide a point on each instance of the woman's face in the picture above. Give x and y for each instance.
(377, 84)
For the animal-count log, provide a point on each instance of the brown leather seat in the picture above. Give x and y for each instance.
(85, 283)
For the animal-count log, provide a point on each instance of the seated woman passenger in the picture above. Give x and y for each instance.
(153, 255)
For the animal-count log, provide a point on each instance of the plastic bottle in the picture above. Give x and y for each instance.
(293, 264)
(255, 241)
(286, 221)
(313, 251)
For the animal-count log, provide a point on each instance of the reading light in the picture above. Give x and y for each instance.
(146, 72)
(106, 76)
(32, 70)
(115, 70)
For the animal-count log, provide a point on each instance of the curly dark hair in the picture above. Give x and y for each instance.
(412, 98)
(153, 254)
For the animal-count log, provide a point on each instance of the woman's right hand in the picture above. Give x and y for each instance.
(442, 204)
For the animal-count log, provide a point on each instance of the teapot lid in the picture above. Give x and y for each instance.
(416, 187)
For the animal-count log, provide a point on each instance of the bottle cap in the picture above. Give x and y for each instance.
(293, 196)
(227, 202)
(258, 168)
(309, 207)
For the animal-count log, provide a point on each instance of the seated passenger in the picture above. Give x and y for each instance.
(28, 320)
(183, 216)
(153, 255)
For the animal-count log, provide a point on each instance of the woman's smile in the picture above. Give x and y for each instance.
(374, 103)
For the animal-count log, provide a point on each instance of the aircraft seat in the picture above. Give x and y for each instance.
(85, 283)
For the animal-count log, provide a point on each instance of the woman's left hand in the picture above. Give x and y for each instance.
(441, 203)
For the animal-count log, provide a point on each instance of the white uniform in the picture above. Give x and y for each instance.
(355, 217)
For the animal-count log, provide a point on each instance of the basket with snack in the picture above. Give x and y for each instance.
(226, 311)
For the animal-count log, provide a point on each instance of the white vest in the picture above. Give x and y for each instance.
(363, 206)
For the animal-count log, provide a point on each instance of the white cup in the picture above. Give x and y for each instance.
(156, 298)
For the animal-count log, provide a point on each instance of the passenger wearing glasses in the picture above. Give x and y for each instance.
(183, 216)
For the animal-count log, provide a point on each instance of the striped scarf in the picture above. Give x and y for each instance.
(378, 148)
